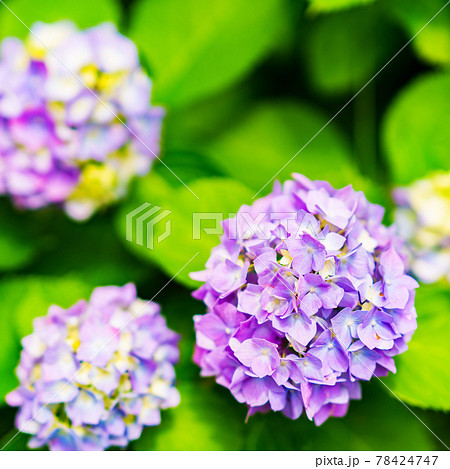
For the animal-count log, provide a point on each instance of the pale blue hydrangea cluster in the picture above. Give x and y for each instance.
(93, 375)
(423, 218)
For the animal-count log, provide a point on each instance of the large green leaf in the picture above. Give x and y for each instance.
(374, 423)
(432, 44)
(344, 50)
(215, 195)
(325, 6)
(423, 374)
(23, 299)
(82, 12)
(416, 136)
(261, 144)
(197, 47)
(205, 420)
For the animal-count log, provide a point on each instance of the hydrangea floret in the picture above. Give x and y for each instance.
(76, 123)
(93, 375)
(423, 218)
(306, 296)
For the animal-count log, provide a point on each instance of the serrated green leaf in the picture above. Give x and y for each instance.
(197, 47)
(25, 12)
(423, 373)
(261, 144)
(433, 42)
(415, 132)
(344, 50)
(215, 195)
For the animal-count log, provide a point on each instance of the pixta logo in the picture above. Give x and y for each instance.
(143, 220)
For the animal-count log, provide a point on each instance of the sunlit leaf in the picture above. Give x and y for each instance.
(217, 197)
(197, 47)
(325, 6)
(23, 299)
(416, 136)
(432, 44)
(21, 14)
(423, 373)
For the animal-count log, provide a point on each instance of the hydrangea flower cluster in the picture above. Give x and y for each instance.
(423, 218)
(307, 296)
(63, 95)
(92, 376)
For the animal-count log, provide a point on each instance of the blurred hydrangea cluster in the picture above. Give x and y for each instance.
(423, 218)
(63, 95)
(306, 295)
(94, 375)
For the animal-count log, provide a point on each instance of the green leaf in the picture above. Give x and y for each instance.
(344, 50)
(415, 132)
(326, 6)
(188, 127)
(205, 420)
(9, 351)
(433, 42)
(22, 300)
(215, 195)
(197, 47)
(25, 298)
(81, 12)
(259, 145)
(423, 373)
(374, 423)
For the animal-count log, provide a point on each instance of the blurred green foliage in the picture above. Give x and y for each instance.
(23, 13)
(421, 379)
(416, 124)
(247, 85)
(203, 46)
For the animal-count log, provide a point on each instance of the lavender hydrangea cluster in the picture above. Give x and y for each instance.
(307, 296)
(423, 218)
(92, 376)
(76, 123)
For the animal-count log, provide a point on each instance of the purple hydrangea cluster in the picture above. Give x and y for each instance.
(92, 376)
(307, 296)
(65, 96)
